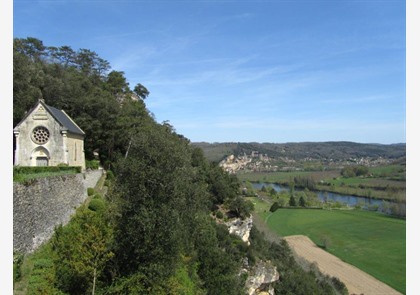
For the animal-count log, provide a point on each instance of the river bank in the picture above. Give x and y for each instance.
(381, 184)
(373, 204)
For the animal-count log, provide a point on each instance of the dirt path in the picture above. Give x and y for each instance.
(356, 281)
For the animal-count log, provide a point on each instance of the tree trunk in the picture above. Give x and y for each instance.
(94, 281)
(126, 153)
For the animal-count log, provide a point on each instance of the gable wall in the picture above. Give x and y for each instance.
(26, 146)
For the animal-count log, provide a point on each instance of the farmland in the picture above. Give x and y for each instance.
(373, 242)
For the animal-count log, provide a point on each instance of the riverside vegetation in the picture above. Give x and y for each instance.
(385, 182)
(154, 230)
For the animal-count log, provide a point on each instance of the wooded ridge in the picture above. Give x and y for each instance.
(332, 150)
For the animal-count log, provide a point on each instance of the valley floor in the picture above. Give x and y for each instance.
(356, 281)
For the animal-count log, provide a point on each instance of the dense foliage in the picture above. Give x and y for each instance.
(154, 232)
(352, 171)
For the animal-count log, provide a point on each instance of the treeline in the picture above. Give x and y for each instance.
(155, 231)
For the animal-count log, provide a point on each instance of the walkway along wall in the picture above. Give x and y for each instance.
(45, 203)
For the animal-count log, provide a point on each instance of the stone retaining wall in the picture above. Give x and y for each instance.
(45, 203)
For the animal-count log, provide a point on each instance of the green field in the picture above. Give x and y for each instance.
(373, 242)
(285, 177)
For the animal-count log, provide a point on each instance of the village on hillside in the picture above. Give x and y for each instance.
(258, 162)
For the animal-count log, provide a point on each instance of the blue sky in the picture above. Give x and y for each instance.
(264, 71)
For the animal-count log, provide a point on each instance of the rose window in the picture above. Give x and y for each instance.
(40, 135)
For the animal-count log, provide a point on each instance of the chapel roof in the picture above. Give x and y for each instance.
(64, 120)
(59, 115)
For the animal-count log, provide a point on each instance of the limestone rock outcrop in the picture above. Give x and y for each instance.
(260, 278)
(240, 227)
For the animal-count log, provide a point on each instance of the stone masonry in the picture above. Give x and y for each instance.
(45, 203)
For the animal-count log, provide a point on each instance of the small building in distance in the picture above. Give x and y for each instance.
(47, 136)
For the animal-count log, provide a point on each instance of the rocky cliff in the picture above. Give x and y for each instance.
(240, 227)
(260, 278)
(263, 273)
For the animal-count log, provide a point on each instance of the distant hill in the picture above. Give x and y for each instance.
(330, 150)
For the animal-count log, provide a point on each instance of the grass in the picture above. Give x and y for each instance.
(23, 178)
(259, 205)
(283, 177)
(373, 182)
(27, 267)
(373, 242)
(25, 174)
(396, 171)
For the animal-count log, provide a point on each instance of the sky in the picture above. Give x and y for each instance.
(242, 71)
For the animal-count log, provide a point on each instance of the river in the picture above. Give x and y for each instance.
(352, 201)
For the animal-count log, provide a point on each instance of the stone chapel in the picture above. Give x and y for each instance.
(47, 136)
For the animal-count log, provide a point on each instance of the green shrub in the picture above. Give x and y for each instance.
(110, 175)
(352, 171)
(302, 202)
(90, 191)
(240, 207)
(43, 263)
(97, 196)
(292, 201)
(97, 205)
(42, 278)
(219, 215)
(92, 164)
(17, 263)
(275, 206)
(134, 284)
(18, 178)
(339, 286)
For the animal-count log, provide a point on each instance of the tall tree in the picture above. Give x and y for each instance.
(292, 201)
(30, 47)
(64, 55)
(82, 249)
(141, 91)
(116, 83)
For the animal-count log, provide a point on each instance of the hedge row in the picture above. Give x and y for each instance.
(44, 169)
